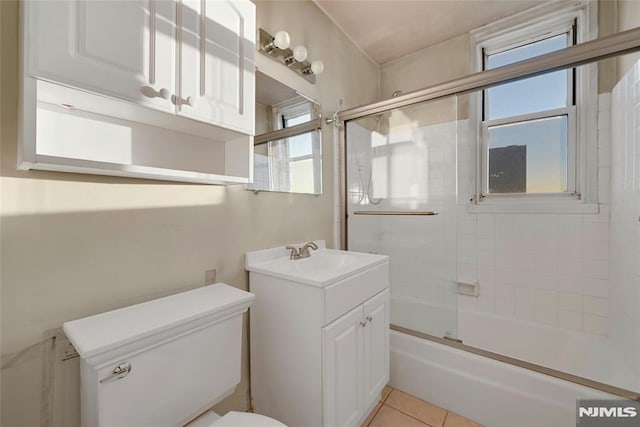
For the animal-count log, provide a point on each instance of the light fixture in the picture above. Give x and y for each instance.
(281, 40)
(277, 48)
(316, 67)
(299, 54)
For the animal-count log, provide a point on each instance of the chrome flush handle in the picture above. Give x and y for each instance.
(120, 371)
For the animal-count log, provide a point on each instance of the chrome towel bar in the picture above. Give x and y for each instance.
(406, 213)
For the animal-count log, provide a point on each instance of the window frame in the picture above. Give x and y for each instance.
(291, 109)
(579, 19)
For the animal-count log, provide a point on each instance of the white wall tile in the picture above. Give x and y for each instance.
(546, 306)
(595, 287)
(570, 301)
(524, 303)
(569, 319)
(505, 307)
(596, 269)
(595, 305)
(595, 324)
(467, 302)
(486, 304)
(505, 276)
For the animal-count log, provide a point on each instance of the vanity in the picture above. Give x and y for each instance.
(319, 335)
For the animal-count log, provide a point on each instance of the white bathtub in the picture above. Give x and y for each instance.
(492, 392)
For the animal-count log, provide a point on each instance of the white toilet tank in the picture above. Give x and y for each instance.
(177, 355)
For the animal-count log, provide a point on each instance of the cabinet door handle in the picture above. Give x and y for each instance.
(369, 318)
(190, 100)
(164, 93)
(150, 92)
(363, 324)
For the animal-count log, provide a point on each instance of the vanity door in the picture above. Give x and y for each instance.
(122, 49)
(376, 347)
(342, 373)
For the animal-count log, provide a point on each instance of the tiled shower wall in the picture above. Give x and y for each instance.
(625, 217)
(548, 268)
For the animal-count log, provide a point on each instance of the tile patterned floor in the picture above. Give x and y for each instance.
(398, 409)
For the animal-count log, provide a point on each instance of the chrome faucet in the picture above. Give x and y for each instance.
(303, 252)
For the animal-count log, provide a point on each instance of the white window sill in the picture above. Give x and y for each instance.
(534, 207)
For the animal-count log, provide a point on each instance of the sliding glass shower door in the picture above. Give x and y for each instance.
(401, 202)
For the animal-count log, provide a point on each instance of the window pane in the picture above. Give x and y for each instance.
(540, 93)
(300, 145)
(298, 120)
(529, 157)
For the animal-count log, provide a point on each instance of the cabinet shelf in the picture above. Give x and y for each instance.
(65, 164)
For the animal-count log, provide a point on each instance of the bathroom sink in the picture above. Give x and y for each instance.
(323, 267)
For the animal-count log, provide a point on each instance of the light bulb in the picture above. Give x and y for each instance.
(300, 53)
(317, 67)
(281, 40)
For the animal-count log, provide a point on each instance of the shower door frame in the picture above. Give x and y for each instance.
(581, 54)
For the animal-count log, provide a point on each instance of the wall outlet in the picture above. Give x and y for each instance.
(209, 277)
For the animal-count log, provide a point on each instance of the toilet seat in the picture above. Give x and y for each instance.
(246, 419)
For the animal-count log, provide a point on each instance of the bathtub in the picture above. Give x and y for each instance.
(495, 393)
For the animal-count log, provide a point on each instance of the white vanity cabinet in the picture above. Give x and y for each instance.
(355, 361)
(160, 89)
(319, 336)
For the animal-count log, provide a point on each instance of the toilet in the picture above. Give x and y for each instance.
(164, 362)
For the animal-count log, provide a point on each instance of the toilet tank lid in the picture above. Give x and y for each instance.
(102, 332)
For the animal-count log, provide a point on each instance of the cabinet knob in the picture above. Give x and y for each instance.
(191, 101)
(164, 93)
(363, 324)
(150, 92)
(369, 318)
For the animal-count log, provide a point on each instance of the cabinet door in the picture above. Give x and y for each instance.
(376, 346)
(122, 49)
(342, 373)
(217, 74)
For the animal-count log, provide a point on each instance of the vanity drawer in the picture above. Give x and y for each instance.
(347, 294)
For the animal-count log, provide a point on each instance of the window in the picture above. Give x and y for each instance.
(299, 156)
(533, 136)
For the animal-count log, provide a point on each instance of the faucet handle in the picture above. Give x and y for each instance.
(295, 252)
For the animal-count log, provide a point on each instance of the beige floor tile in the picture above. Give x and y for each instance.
(416, 408)
(371, 415)
(455, 420)
(386, 391)
(389, 417)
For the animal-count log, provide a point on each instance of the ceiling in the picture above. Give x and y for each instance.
(387, 30)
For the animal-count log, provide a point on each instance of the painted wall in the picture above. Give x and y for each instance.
(75, 245)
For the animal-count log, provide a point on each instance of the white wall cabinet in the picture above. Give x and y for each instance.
(125, 50)
(217, 83)
(319, 354)
(159, 89)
